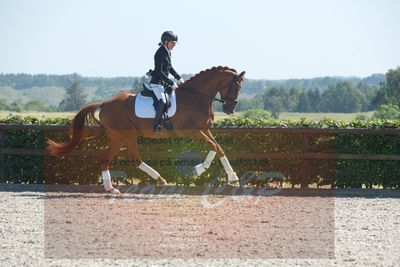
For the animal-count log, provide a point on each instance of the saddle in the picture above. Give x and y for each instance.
(148, 92)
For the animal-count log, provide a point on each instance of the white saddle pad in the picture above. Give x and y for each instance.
(144, 106)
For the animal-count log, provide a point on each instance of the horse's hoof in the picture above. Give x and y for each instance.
(161, 181)
(234, 183)
(232, 178)
(113, 191)
(198, 170)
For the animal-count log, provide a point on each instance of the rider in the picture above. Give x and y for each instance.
(159, 77)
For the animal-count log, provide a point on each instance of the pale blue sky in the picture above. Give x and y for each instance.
(268, 39)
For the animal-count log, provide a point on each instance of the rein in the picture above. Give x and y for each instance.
(203, 94)
(222, 99)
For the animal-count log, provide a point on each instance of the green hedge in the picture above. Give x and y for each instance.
(180, 155)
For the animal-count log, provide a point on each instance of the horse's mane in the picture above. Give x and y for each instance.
(218, 68)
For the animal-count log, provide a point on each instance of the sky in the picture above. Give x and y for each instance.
(267, 39)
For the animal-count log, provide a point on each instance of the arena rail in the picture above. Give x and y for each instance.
(305, 154)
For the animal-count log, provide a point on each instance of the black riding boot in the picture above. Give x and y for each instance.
(159, 112)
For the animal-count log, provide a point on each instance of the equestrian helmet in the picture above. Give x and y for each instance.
(169, 36)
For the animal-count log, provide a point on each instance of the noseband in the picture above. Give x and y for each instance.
(227, 99)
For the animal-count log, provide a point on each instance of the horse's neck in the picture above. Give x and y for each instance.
(200, 94)
(207, 85)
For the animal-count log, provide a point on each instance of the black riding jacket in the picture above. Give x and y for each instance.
(163, 67)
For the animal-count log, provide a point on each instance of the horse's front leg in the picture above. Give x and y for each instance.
(202, 167)
(207, 139)
(232, 176)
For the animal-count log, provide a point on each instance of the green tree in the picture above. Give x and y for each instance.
(315, 98)
(274, 100)
(381, 97)
(4, 104)
(304, 103)
(274, 104)
(389, 92)
(74, 98)
(393, 85)
(343, 97)
(388, 112)
(16, 106)
(292, 98)
(255, 102)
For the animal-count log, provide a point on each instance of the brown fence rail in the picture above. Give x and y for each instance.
(306, 152)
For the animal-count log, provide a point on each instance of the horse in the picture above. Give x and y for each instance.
(193, 118)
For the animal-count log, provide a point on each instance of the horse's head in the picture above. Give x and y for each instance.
(220, 79)
(230, 92)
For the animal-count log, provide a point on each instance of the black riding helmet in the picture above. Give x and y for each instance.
(169, 36)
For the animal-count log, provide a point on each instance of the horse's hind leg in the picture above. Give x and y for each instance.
(133, 150)
(113, 149)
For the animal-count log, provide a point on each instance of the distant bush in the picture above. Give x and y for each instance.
(389, 112)
(361, 117)
(32, 105)
(257, 114)
(234, 122)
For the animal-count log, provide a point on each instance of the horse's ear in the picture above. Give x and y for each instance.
(241, 76)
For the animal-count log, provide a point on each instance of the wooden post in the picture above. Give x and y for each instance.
(2, 139)
(304, 176)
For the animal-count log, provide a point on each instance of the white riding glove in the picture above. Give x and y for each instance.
(174, 86)
(181, 80)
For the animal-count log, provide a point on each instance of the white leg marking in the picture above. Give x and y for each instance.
(206, 164)
(149, 170)
(232, 177)
(107, 182)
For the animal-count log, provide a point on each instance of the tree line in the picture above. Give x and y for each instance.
(342, 96)
(256, 86)
(24, 81)
(251, 86)
(327, 94)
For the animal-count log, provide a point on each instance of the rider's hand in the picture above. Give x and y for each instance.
(181, 80)
(174, 86)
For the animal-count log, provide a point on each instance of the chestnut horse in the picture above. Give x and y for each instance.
(193, 119)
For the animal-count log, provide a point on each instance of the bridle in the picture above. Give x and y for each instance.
(223, 100)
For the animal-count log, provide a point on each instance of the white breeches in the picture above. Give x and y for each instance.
(159, 91)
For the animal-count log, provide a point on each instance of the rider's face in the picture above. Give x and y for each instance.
(171, 44)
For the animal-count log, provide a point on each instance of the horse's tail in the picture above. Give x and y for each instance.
(79, 131)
